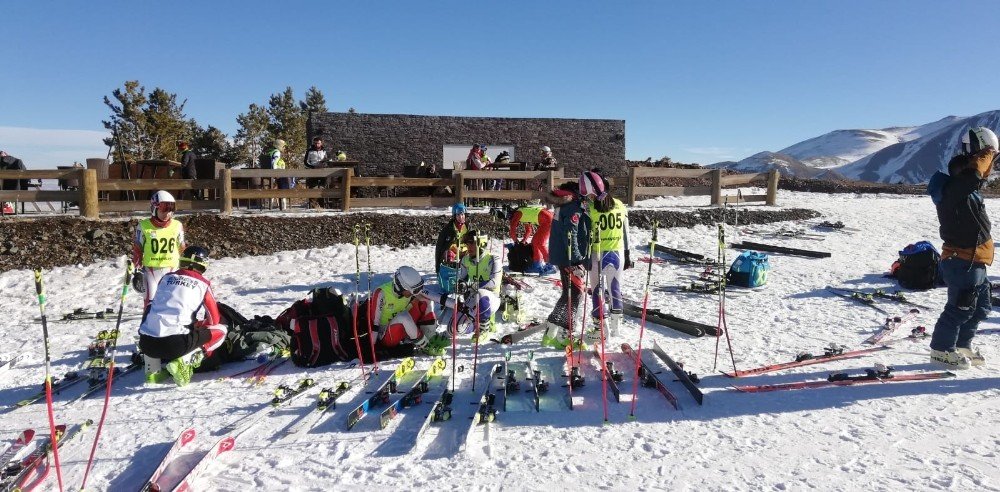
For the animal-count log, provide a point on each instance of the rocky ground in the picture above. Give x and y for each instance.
(50, 242)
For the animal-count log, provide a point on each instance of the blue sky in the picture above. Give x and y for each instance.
(698, 81)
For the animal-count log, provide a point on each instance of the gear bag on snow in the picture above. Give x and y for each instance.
(519, 257)
(917, 266)
(245, 338)
(319, 326)
(749, 269)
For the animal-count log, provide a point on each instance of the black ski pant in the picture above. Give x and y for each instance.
(572, 290)
(171, 347)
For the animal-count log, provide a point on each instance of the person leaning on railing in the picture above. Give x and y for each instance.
(11, 163)
(315, 158)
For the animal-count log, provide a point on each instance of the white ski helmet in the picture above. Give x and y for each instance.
(159, 197)
(546, 149)
(978, 139)
(406, 278)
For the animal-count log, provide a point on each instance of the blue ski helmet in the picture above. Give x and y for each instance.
(458, 208)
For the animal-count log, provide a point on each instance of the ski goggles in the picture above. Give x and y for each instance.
(166, 207)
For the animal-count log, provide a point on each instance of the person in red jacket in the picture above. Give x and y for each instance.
(181, 325)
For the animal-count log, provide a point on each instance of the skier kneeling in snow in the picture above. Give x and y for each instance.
(171, 330)
(482, 274)
(400, 314)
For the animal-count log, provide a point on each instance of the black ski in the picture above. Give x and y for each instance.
(682, 325)
(683, 376)
(613, 375)
(866, 301)
(747, 245)
(896, 296)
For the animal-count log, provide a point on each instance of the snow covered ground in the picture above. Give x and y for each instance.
(900, 436)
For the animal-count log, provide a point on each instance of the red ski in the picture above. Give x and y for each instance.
(846, 380)
(183, 440)
(225, 444)
(648, 378)
(16, 446)
(891, 324)
(807, 360)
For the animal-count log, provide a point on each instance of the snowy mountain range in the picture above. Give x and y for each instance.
(898, 154)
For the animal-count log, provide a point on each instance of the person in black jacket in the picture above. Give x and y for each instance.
(188, 168)
(11, 163)
(447, 247)
(967, 250)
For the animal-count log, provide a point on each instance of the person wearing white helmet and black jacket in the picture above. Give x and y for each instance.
(181, 324)
(968, 248)
(157, 245)
(549, 162)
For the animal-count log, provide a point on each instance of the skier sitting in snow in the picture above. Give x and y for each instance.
(181, 323)
(609, 251)
(157, 245)
(399, 313)
(482, 274)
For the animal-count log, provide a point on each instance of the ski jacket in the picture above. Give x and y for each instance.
(447, 238)
(384, 305)
(486, 272)
(188, 168)
(569, 242)
(156, 246)
(277, 162)
(961, 211)
(183, 299)
(314, 157)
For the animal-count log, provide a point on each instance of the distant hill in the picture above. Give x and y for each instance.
(897, 154)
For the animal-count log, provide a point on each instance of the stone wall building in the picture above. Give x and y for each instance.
(384, 143)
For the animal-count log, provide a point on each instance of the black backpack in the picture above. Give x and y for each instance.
(917, 267)
(519, 257)
(264, 160)
(320, 329)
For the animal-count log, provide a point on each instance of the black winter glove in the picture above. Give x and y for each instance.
(139, 281)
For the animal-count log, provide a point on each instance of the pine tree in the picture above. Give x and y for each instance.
(288, 122)
(129, 129)
(315, 103)
(210, 143)
(252, 137)
(166, 122)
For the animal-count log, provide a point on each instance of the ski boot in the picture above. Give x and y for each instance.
(614, 322)
(182, 368)
(155, 373)
(554, 337)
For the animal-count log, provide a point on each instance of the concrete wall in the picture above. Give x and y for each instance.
(386, 142)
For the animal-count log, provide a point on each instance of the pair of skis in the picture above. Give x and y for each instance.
(831, 353)
(878, 375)
(17, 472)
(180, 445)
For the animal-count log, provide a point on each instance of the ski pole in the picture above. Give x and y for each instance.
(599, 296)
(368, 253)
(110, 356)
(642, 324)
(357, 294)
(54, 443)
(476, 323)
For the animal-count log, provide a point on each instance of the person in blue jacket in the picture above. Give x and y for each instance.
(569, 250)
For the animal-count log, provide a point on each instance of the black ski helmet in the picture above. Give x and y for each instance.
(195, 258)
